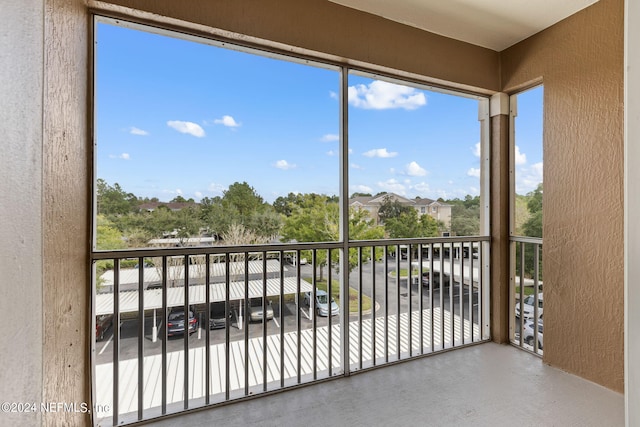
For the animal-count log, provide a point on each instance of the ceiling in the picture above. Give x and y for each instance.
(494, 24)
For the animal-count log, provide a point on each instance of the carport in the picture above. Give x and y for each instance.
(152, 298)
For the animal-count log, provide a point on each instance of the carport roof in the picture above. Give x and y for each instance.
(175, 296)
(129, 276)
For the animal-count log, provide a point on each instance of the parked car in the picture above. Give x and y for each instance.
(528, 335)
(291, 259)
(527, 307)
(175, 322)
(255, 310)
(321, 305)
(103, 323)
(217, 319)
(436, 279)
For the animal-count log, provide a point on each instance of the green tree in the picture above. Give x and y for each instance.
(113, 200)
(465, 216)
(240, 204)
(108, 237)
(533, 225)
(316, 219)
(284, 205)
(408, 225)
(392, 208)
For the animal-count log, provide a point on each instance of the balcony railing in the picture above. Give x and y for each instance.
(266, 318)
(526, 321)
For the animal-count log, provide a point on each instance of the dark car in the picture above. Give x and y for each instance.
(175, 322)
(217, 319)
(436, 279)
(103, 323)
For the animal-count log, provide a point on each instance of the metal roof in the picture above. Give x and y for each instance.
(129, 276)
(175, 295)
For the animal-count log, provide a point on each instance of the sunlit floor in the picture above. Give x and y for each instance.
(482, 385)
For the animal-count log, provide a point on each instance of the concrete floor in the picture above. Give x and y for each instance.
(483, 385)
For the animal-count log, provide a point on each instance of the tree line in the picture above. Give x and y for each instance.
(123, 223)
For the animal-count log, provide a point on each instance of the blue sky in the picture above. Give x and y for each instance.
(175, 117)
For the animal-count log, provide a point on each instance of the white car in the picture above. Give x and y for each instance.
(527, 307)
(528, 335)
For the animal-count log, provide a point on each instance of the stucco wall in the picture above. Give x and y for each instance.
(632, 205)
(581, 63)
(21, 64)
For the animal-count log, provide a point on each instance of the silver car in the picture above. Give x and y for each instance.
(256, 312)
(321, 306)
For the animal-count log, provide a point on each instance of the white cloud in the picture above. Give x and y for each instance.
(330, 137)
(422, 187)
(361, 189)
(474, 172)
(381, 95)
(216, 188)
(198, 194)
(135, 131)
(178, 192)
(186, 127)
(227, 121)
(333, 95)
(356, 166)
(528, 178)
(284, 165)
(476, 150)
(393, 186)
(380, 152)
(123, 156)
(414, 169)
(520, 158)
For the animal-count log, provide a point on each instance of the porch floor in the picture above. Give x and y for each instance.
(482, 385)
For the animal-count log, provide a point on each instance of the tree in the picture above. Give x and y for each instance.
(408, 225)
(243, 198)
(533, 225)
(531, 228)
(240, 204)
(284, 205)
(316, 219)
(180, 199)
(108, 237)
(465, 216)
(312, 219)
(113, 200)
(354, 195)
(391, 208)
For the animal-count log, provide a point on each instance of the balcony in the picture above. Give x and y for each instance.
(481, 385)
(409, 299)
(406, 299)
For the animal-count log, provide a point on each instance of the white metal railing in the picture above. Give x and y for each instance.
(397, 299)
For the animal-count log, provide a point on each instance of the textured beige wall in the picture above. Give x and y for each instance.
(66, 185)
(581, 63)
(632, 205)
